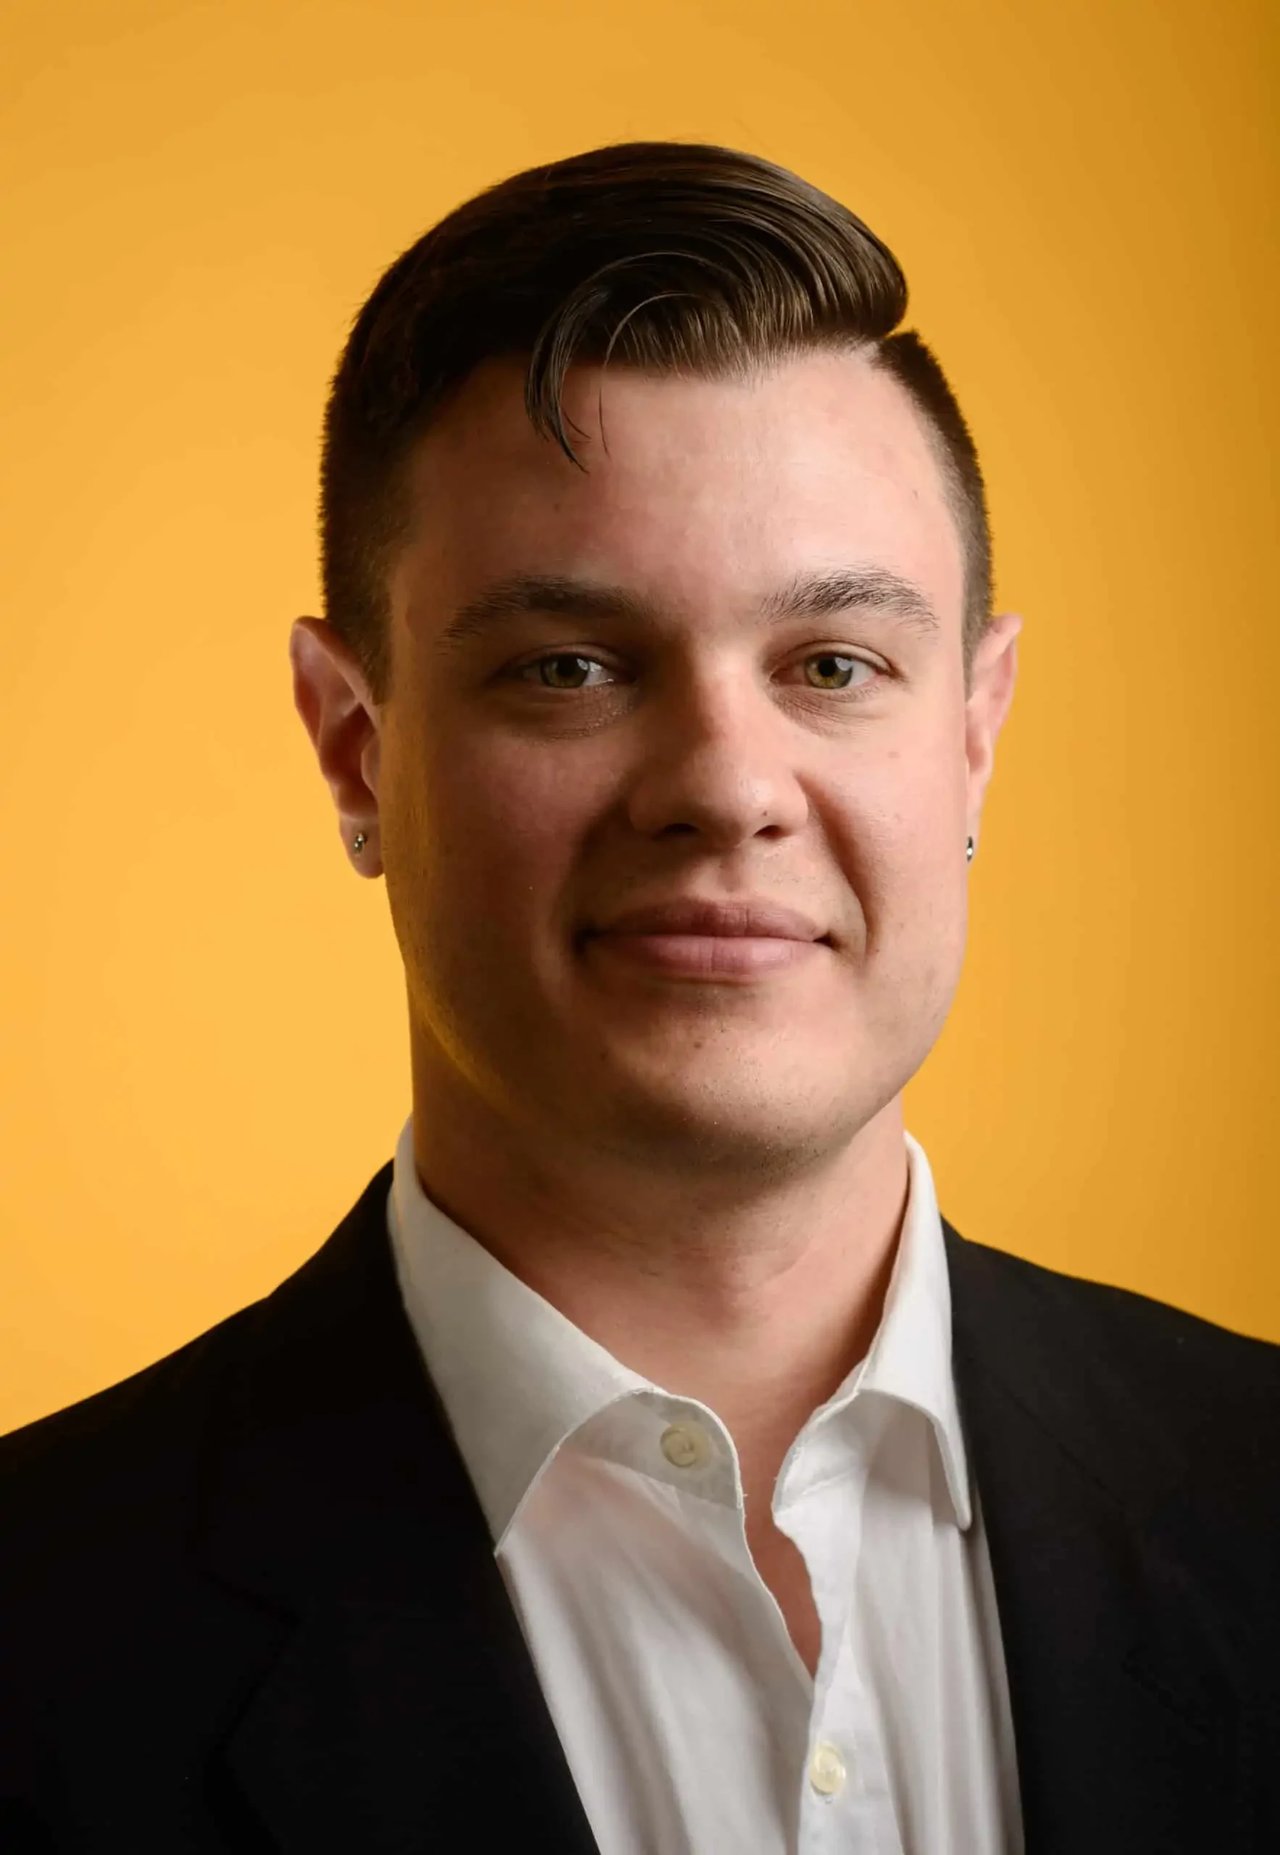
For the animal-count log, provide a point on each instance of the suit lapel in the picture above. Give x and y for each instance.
(1131, 1737)
(399, 1708)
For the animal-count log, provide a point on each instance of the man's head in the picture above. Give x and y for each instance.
(758, 662)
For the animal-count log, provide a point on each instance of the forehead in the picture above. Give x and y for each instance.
(706, 487)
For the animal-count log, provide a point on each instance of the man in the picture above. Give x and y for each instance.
(644, 1465)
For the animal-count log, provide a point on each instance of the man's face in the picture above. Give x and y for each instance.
(828, 763)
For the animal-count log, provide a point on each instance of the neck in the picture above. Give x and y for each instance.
(755, 1303)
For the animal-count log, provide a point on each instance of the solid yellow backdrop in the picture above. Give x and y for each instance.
(205, 1041)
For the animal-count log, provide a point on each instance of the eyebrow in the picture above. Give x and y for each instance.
(806, 595)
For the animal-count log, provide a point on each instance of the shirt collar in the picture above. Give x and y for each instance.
(517, 1378)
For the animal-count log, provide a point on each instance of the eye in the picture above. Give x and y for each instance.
(826, 659)
(831, 664)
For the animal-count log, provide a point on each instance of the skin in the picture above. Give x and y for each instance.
(709, 1179)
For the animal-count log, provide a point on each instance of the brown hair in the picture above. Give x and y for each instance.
(693, 259)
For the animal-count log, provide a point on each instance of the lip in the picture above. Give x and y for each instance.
(706, 956)
(743, 919)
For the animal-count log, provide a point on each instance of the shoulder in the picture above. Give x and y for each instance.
(1124, 1332)
(1174, 1402)
(127, 1468)
(120, 1466)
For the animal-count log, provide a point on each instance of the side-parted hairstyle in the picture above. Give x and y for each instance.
(684, 257)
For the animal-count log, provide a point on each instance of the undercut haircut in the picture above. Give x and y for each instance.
(673, 258)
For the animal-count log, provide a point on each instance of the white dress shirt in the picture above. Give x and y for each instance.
(690, 1723)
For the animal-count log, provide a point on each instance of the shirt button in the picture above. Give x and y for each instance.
(687, 1445)
(826, 1770)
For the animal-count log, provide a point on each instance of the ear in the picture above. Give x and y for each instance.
(332, 696)
(995, 669)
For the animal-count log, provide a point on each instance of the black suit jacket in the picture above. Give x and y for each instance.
(250, 1601)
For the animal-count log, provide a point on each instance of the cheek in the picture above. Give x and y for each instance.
(902, 851)
(923, 807)
(504, 832)
(897, 824)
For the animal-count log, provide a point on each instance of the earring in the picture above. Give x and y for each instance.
(968, 850)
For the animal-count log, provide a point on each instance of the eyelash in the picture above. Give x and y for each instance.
(853, 694)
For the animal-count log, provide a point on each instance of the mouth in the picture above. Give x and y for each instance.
(723, 957)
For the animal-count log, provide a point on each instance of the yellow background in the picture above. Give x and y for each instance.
(205, 1045)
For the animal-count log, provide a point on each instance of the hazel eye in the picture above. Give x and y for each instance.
(827, 658)
(560, 658)
(829, 662)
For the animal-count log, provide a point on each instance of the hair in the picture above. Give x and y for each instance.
(692, 259)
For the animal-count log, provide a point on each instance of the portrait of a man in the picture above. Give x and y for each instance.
(646, 1464)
